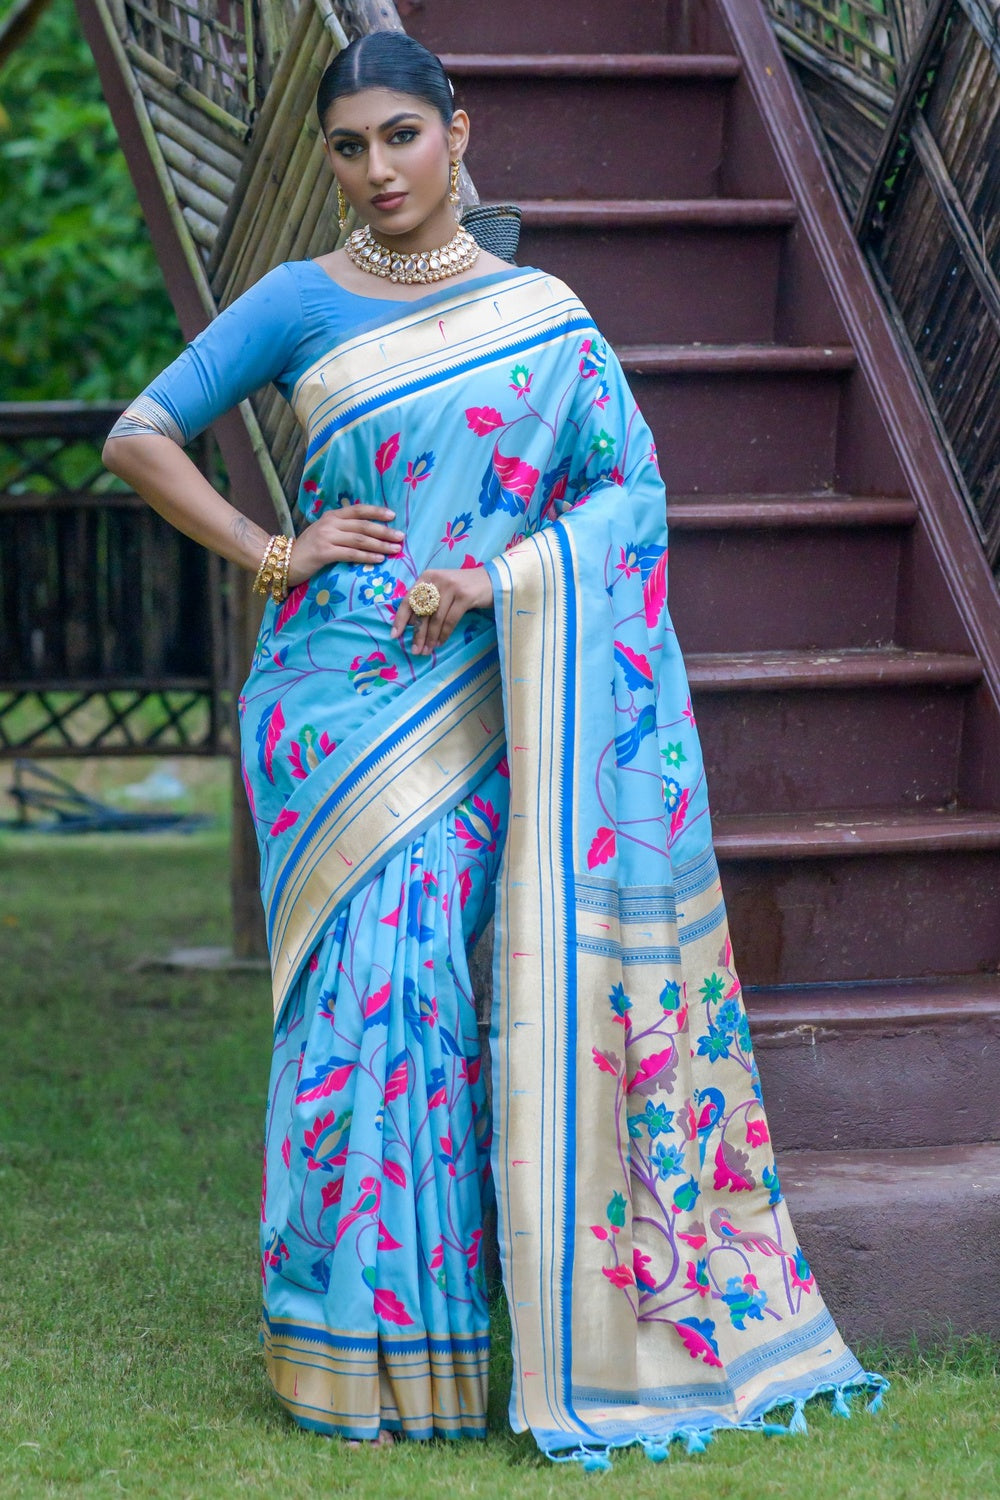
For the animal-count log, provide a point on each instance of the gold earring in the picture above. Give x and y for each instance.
(456, 167)
(342, 208)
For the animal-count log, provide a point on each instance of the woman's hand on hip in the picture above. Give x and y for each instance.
(461, 589)
(352, 533)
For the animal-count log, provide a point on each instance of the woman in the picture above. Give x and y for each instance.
(466, 683)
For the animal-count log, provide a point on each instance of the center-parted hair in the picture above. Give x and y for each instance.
(386, 60)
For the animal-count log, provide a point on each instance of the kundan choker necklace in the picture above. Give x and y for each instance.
(415, 266)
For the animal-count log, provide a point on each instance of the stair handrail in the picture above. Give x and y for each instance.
(929, 475)
(962, 411)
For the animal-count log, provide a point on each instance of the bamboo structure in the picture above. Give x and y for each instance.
(906, 99)
(223, 96)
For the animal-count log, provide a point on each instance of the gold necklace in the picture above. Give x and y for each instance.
(415, 266)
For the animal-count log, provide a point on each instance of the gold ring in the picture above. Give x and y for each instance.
(423, 599)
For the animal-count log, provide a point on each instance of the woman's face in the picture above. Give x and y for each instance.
(392, 155)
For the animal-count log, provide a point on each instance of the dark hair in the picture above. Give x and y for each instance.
(386, 60)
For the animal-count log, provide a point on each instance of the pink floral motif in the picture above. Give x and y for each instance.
(483, 419)
(387, 453)
(602, 848)
(389, 1307)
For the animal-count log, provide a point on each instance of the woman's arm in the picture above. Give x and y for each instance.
(249, 344)
(167, 479)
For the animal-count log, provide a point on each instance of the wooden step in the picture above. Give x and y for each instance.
(722, 415)
(658, 213)
(586, 116)
(654, 26)
(879, 1065)
(902, 1242)
(616, 65)
(757, 588)
(679, 255)
(779, 671)
(787, 512)
(872, 895)
(736, 359)
(854, 731)
(840, 836)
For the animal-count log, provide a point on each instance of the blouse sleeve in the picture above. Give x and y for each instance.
(245, 347)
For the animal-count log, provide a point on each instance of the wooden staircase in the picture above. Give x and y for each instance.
(841, 627)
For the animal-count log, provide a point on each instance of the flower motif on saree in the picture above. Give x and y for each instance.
(418, 470)
(801, 1274)
(386, 453)
(367, 672)
(457, 530)
(323, 603)
(272, 722)
(745, 1299)
(477, 824)
(591, 362)
(520, 381)
(377, 587)
(697, 1278)
(325, 1147)
(508, 484)
(698, 1337)
(308, 751)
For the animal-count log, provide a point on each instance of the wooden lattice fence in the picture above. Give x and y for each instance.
(906, 95)
(113, 628)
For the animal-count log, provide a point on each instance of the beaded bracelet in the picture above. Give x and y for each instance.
(272, 575)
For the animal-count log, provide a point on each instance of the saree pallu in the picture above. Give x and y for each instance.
(655, 1285)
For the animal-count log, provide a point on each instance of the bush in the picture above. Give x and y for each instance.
(83, 309)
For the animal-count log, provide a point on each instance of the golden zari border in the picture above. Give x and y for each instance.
(422, 767)
(403, 359)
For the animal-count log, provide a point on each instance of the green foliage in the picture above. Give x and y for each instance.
(83, 310)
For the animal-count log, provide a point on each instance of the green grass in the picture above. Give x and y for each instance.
(130, 1114)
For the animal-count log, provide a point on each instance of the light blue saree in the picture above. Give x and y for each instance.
(548, 759)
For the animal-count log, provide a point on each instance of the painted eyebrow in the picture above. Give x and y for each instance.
(389, 124)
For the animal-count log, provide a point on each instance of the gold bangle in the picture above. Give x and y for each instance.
(286, 563)
(272, 575)
(259, 585)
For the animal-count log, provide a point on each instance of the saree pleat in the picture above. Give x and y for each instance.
(377, 1149)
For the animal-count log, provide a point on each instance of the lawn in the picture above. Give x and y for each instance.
(130, 1112)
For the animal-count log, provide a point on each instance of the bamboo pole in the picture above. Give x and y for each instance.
(187, 44)
(203, 232)
(147, 63)
(184, 128)
(185, 165)
(257, 206)
(286, 428)
(264, 145)
(261, 250)
(288, 221)
(371, 15)
(324, 233)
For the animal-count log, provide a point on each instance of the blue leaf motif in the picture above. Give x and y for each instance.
(493, 496)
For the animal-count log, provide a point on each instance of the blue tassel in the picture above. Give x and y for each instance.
(841, 1406)
(774, 1429)
(655, 1451)
(594, 1462)
(696, 1443)
(875, 1404)
(798, 1422)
